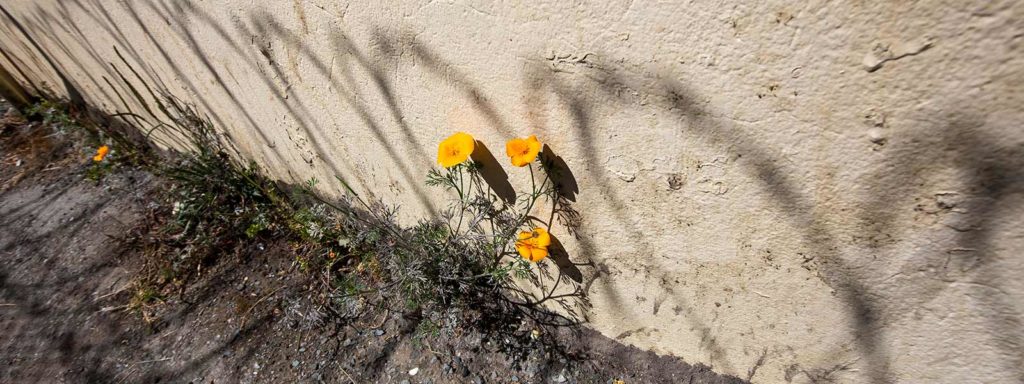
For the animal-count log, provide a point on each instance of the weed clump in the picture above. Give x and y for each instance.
(216, 203)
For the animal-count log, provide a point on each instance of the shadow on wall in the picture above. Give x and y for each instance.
(993, 172)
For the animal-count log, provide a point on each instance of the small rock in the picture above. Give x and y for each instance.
(414, 371)
(403, 382)
(515, 379)
(378, 332)
(532, 368)
(295, 363)
(560, 378)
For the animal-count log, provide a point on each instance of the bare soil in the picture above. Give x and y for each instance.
(69, 256)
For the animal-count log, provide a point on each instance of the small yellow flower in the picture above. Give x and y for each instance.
(523, 151)
(617, 381)
(455, 149)
(101, 152)
(533, 245)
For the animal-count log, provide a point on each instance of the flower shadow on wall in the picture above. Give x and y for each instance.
(492, 173)
(514, 243)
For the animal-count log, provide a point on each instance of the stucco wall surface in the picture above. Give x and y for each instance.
(787, 191)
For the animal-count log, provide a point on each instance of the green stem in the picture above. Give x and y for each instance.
(534, 196)
(462, 201)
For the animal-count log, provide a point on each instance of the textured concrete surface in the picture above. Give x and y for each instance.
(786, 191)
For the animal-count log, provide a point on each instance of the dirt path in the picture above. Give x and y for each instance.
(58, 259)
(69, 255)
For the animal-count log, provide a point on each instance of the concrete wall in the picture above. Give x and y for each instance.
(786, 191)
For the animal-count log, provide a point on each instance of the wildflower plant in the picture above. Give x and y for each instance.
(505, 236)
(474, 256)
(101, 153)
(100, 164)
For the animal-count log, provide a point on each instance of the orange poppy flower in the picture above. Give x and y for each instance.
(533, 245)
(455, 149)
(523, 151)
(101, 152)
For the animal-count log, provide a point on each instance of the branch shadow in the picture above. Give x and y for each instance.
(991, 177)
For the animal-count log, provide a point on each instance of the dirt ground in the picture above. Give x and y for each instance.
(68, 261)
